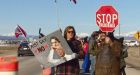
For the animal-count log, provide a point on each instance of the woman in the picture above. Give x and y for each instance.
(71, 67)
(85, 44)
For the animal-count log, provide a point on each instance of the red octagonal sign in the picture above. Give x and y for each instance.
(107, 18)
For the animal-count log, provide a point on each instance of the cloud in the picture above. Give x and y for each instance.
(82, 34)
(9, 34)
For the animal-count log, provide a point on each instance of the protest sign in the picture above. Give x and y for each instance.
(52, 50)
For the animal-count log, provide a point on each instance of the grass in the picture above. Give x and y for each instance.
(8, 47)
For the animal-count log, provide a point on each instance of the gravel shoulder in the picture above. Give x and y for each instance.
(133, 58)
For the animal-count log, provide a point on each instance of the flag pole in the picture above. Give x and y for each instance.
(22, 33)
(57, 14)
(119, 29)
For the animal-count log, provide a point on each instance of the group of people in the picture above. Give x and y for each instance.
(107, 54)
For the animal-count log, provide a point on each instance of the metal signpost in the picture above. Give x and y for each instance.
(137, 36)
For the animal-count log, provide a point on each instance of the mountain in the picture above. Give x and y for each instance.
(14, 38)
(7, 38)
(11, 36)
(127, 34)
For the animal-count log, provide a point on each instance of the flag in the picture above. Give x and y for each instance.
(19, 31)
(40, 34)
(74, 1)
(55, 1)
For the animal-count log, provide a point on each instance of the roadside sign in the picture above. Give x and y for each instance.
(107, 18)
(137, 35)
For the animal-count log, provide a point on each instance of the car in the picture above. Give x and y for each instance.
(132, 43)
(24, 49)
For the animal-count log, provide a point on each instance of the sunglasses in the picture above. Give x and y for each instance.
(69, 31)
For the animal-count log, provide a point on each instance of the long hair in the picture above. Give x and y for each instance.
(53, 37)
(85, 39)
(66, 30)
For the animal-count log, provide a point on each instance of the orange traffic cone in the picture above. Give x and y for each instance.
(8, 65)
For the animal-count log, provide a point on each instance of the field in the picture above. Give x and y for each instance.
(8, 50)
(12, 47)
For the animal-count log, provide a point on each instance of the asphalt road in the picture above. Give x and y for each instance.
(28, 65)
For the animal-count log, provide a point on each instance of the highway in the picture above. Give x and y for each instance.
(28, 65)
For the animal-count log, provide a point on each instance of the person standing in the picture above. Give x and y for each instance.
(92, 50)
(108, 55)
(123, 55)
(71, 67)
(85, 44)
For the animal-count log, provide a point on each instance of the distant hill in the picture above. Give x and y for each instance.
(7, 38)
(14, 38)
(127, 37)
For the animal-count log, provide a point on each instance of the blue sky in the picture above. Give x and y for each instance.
(35, 14)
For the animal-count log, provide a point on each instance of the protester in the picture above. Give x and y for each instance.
(86, 62)
(85, 44)
(124, 54)
(108, 54)
(92, 50)
(71, 67)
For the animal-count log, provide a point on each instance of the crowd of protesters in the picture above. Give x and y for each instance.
(106, 54)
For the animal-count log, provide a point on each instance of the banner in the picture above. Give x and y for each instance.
(52, 50)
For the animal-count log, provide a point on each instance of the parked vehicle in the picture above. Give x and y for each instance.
(24, 49)
(132, 43)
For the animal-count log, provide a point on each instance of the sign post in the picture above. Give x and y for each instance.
(107, 18)
(137, 36)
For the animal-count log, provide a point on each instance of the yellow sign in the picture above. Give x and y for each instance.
(137, 35)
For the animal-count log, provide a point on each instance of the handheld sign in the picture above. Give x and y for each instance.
(52, 50)
(107, 18)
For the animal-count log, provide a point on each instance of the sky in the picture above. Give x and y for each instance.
(50, 16)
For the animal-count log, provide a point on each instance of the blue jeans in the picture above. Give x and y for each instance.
(92, 58)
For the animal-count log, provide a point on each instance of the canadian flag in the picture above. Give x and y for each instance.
(19, 31)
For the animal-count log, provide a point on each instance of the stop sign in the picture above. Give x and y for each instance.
(107, 18)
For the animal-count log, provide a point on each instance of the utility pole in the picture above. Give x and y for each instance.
(119, 29)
